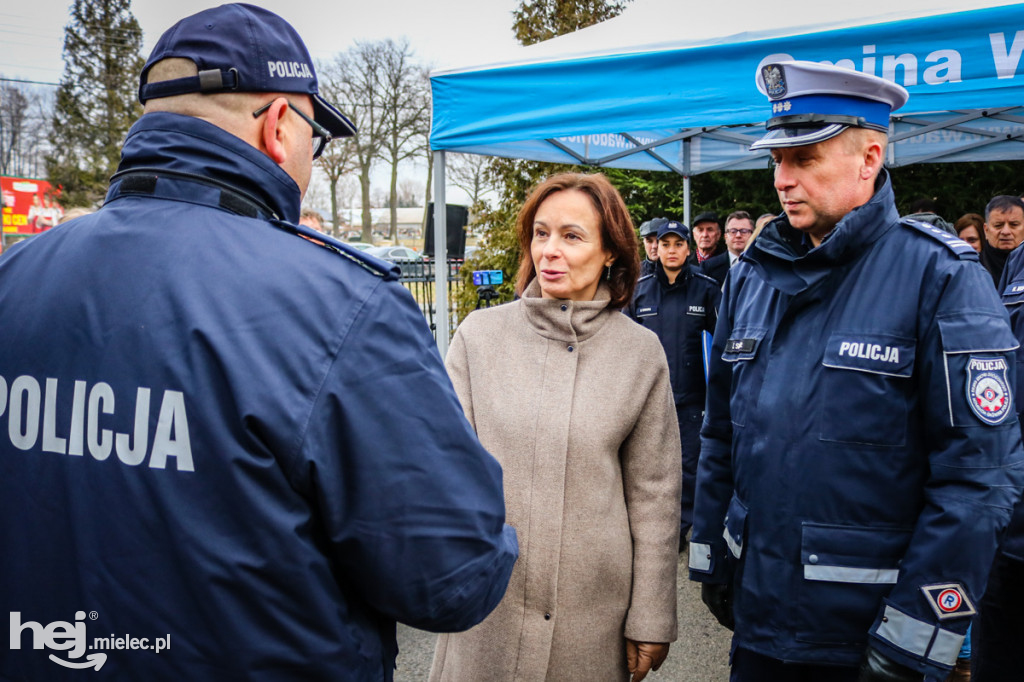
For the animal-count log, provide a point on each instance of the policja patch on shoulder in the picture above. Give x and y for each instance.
(948, 600)
(988, 391)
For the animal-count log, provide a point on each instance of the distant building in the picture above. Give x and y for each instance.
(410, 223)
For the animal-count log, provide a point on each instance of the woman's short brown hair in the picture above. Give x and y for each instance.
(974, 219)
(617, 235)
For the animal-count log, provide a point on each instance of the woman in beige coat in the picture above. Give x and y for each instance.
(573, 399)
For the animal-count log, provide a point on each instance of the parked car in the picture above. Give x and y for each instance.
(411, 262)
(362, 246)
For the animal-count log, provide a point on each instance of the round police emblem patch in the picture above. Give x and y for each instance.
(988, 391)
(949, 600)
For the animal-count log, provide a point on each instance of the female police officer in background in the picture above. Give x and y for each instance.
(574, 400)
(679, 304)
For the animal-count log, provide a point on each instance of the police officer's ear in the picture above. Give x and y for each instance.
(274, 133)
(873, 151)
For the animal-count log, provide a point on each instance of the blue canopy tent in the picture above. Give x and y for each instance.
(689, 105)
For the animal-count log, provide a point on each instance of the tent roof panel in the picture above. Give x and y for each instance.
(964, 60)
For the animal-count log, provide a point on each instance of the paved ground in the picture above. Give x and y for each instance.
(700, 655)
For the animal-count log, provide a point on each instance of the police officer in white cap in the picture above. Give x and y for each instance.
(860, 450)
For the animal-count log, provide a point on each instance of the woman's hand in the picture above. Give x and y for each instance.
(643, 657)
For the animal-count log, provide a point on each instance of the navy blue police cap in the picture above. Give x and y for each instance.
(241, 48)
(813, 102)
(650, 227)
(674, 227)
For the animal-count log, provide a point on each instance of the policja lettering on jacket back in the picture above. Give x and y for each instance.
(38, 417)
(178, 317)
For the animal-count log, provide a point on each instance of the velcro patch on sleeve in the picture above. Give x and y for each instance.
(948, 600)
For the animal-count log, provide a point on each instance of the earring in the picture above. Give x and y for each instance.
(608, 273)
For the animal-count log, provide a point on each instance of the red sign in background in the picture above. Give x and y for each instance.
(29, 206)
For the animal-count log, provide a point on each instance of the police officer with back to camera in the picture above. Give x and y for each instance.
(680, 304)
(216, 432)
(860, 451)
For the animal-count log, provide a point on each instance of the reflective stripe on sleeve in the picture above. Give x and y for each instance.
(700, 557)
(734, 547)
(919, 638)
(847, 574)
(946, 647)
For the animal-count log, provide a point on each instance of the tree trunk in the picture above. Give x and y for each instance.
(364, 183)
(394, 203)
(428, 197)
(335, 230)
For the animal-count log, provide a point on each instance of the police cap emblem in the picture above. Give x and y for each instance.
(988, 391)
(774, 80)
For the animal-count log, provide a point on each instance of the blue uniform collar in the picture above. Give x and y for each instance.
(683, 276)
(785, 259)
(185, 144)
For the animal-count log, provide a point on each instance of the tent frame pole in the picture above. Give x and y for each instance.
(686, 183)
(440, 256)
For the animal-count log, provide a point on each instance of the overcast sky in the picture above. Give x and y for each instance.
(441, 32)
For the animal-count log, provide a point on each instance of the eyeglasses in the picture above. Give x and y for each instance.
(739, 230)
(321, 136)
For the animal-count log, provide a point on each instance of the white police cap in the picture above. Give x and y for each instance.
(813, 102)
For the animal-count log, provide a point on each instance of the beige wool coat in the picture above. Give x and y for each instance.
(573, 399)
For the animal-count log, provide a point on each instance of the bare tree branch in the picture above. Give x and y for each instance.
(468, 173)
(352, 81)
(406, 105)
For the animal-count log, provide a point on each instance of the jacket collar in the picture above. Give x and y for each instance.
(785, 258)
(579, 321)
(684, 275)
(189, 145)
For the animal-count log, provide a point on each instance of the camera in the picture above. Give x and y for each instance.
(486, 278)
(485, 281)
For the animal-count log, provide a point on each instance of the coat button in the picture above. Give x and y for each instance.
(564, 307)
(547, 616)
(813, 558)
(571, 349)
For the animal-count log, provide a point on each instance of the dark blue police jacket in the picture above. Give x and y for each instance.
(225, 438)
(679, 314)
(860, 449)
(647, 267)
(1012, 289)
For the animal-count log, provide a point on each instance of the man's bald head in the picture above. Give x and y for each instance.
(231, 111)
